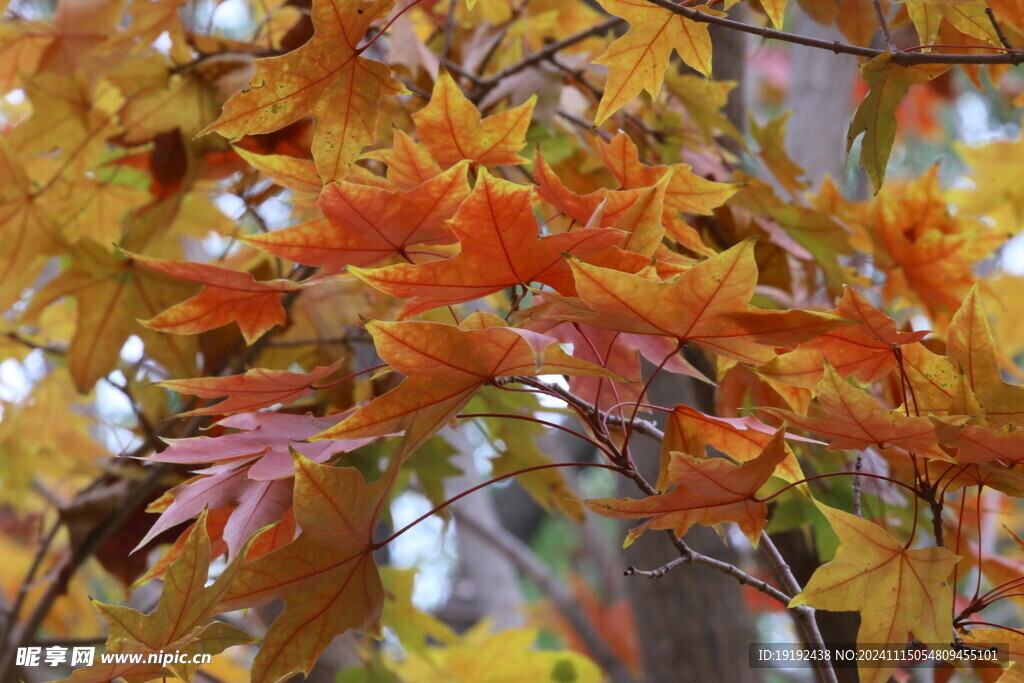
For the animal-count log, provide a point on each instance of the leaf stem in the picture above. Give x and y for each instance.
(839, 474)
(546, 423)
(386, 26)
(525, 470)
(346, 378)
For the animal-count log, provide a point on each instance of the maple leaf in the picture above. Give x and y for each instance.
(743, 439)
(180, 622)
(897, 591)
(581, 208)
(864, 352)
(771, 138)
(481, 656)
(501, 247)
(365, 225)
(112, 293)
(686, 191)
(444, 366)
(638, 60)
(856, 421)
(327, 78)
(298, 175)
(980, 444)
(969, 343)
(968, 17)
(28, 230)
(887, 82)
(268, 436)
(408, 162)
(706, 491)
(327, 576)
(227, 296)
(254, 389)
(930, 260)
(706, 304)
(451, 128)
(252, 504)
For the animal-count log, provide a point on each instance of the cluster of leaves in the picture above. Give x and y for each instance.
(446, 228)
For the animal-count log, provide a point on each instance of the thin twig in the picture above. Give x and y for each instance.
(884, 26)
(857, 484)
(24, 341)
(571, 118)
(540, 56)
(998, 28)
(642, 426)
(688, 555)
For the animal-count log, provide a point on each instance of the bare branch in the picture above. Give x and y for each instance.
(802, 614)
(883, 25)
(24, 341)
(998, 29)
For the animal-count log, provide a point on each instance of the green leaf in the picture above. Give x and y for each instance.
(887, 83)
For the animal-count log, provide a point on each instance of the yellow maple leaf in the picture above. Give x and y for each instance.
(896, 591)
(637, 61)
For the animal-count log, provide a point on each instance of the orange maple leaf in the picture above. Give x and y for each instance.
(444, 366)
(928, 252)
(856, 421)
(706, 491)
(408, 162)
(863, 351)
(581, 208)
(687, 192)
(743, 439)
(981, 444)
(501, 247)
(452, 129)
(254, 389)
(365, 225)
(706, 304)
(227, 296)
(327, 78)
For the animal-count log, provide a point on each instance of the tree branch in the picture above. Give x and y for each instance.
(802, 614)
(901, 57)
(998, 29)
(488, 83)
(529, 564)
(883, 25)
